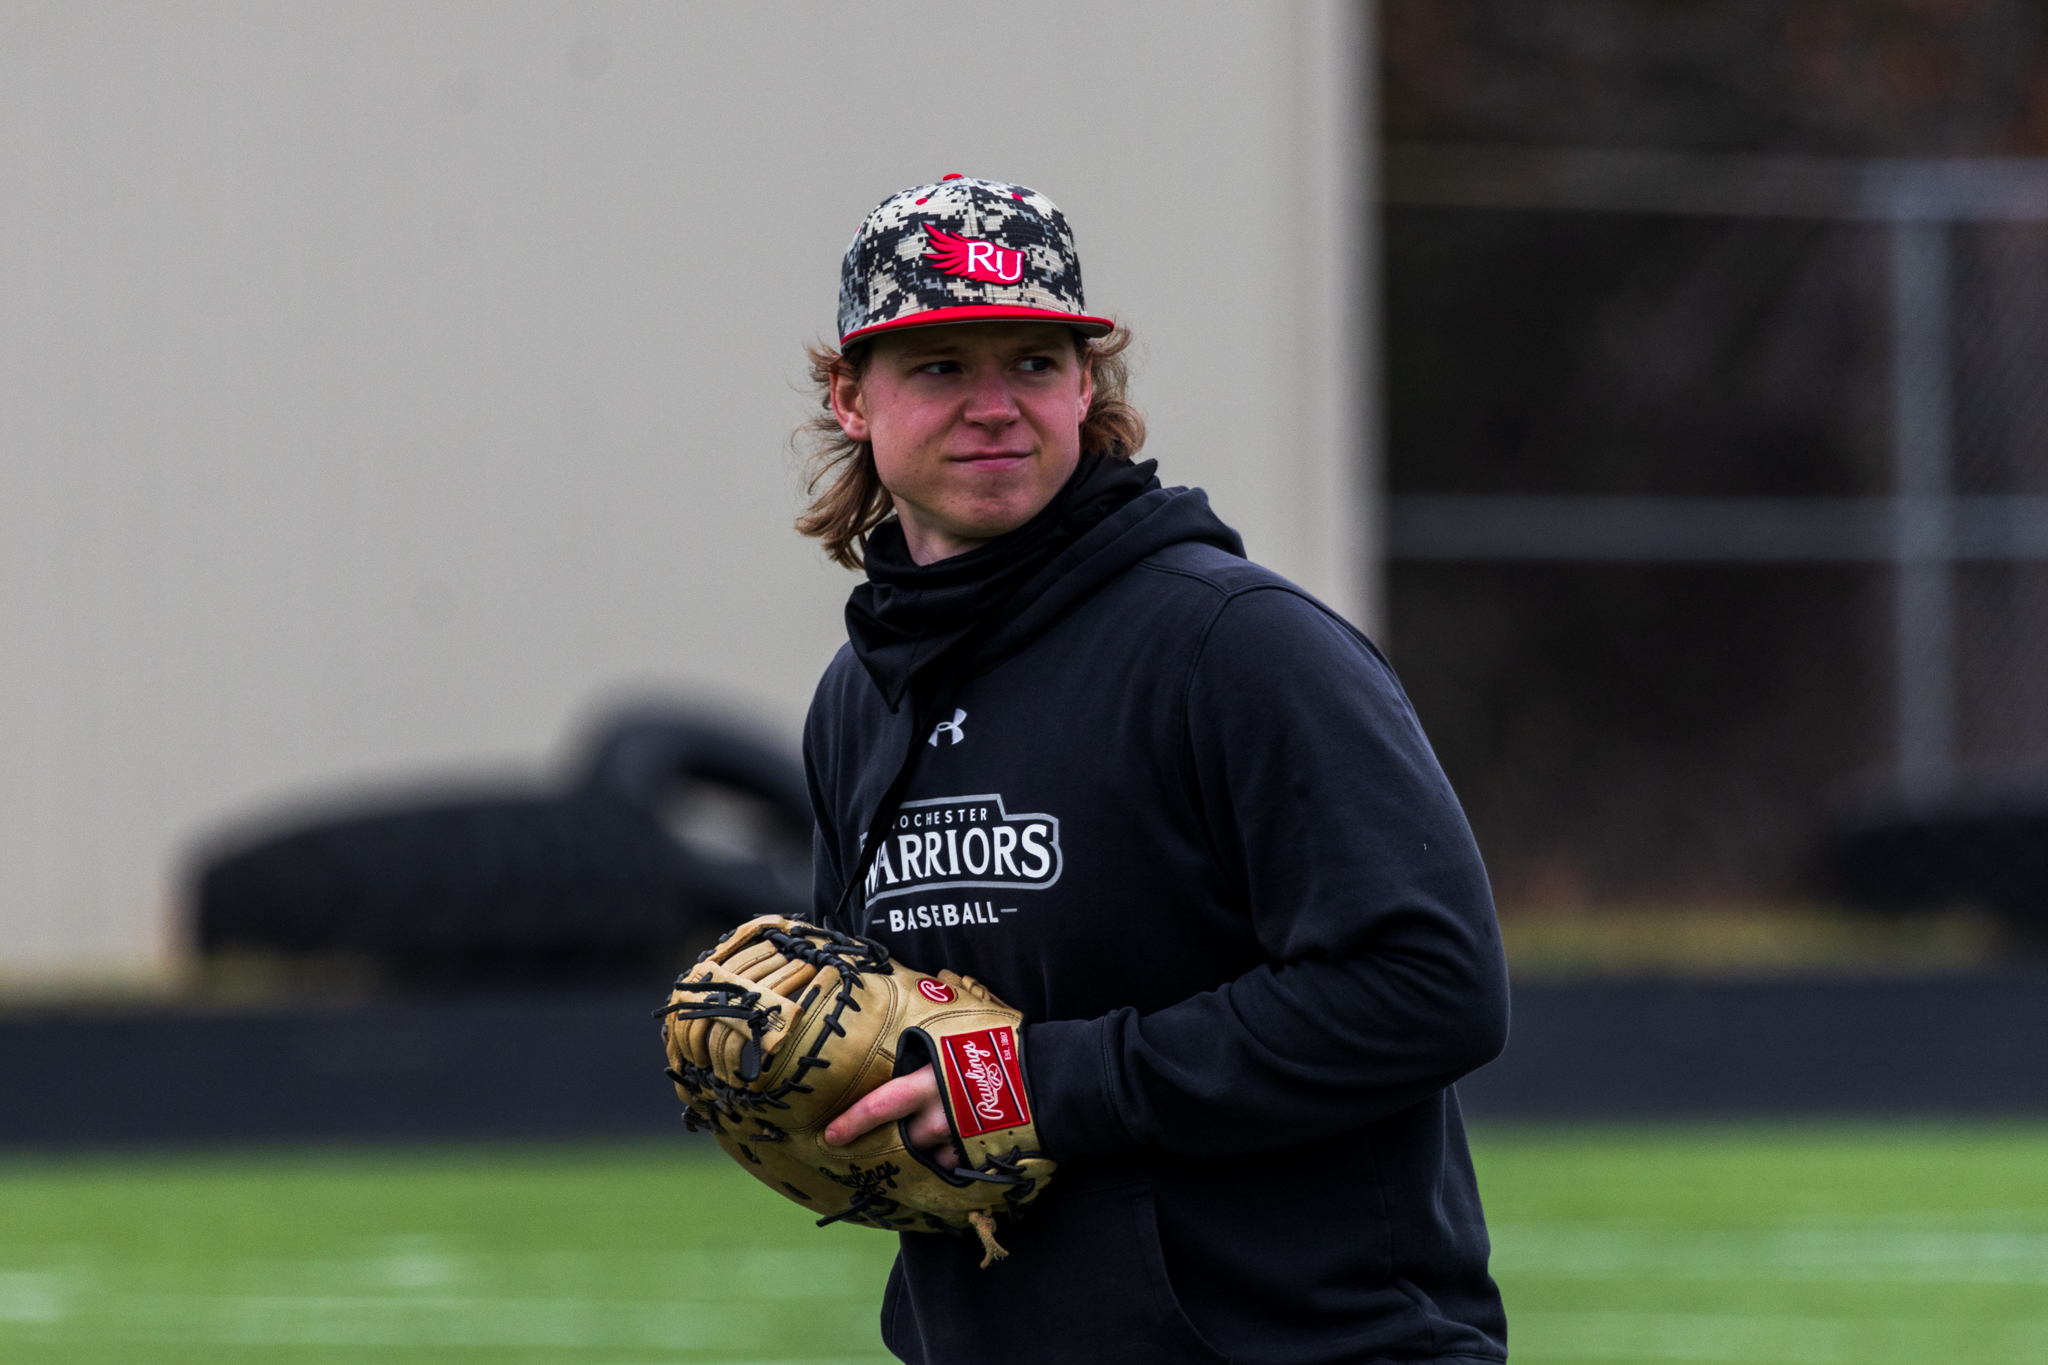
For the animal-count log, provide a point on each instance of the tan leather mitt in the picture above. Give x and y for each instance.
(783, 1025)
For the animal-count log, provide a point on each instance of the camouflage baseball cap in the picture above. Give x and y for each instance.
(962, 250)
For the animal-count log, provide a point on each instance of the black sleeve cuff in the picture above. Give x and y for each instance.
(1065, 1064)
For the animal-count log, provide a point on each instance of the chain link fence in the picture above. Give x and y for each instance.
(1719, 520)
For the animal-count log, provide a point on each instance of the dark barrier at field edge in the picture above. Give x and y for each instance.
(1959, 1045)
(526, 1067)
(590, 1065)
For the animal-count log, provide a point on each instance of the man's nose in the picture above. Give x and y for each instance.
(990, 403)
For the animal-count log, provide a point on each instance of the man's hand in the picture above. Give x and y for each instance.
(915, 1097)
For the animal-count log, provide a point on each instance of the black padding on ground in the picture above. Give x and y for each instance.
(488, 880)
(580, 886)
(1960, 1045)
(1985, 852)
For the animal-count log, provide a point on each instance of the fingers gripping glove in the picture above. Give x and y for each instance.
(783, 1025)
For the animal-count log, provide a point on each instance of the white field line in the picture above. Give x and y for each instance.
(413, 1280)
(1794, 1254)
(33, 1295)
(1764, 1340)
(442, 1321)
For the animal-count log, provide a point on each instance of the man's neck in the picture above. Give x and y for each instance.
(928, 546)
(930, 543)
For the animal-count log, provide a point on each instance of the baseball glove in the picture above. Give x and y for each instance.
(782, 1026)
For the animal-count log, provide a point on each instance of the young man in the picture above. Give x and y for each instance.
(1166, 804)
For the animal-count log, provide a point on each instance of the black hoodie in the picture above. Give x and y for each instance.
(1182, 816)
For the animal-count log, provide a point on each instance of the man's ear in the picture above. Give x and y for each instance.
(849, 406)
(1087, 385)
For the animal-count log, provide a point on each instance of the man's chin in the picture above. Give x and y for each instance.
(985, 519)
(972, 516)
(983, 530)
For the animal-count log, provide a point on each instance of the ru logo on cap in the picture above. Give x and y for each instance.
(984, 261)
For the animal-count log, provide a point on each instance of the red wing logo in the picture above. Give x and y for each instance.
(984, 1082)
(966, 257)
(937, 992)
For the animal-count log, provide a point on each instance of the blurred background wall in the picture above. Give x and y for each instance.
(383, 386)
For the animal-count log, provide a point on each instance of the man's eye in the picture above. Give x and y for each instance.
(940, 367)
(1035, 364)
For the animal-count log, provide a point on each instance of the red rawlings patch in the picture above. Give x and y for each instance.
(936, 991)
(984, 1082)
(966, 257)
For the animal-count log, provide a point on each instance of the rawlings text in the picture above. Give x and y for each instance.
(984, 1082)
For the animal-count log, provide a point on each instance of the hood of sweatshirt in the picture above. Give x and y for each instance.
(978, 608)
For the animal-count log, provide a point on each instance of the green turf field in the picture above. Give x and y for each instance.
(1863, 1246)
(1855, 1245)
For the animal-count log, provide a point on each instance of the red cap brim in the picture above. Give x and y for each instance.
(985, 312)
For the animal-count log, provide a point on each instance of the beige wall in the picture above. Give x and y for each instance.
(384, 384)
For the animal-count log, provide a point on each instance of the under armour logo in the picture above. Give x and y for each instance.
(953, 725)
